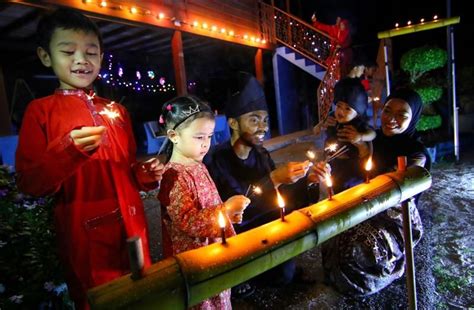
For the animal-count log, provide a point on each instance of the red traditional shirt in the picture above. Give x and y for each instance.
(190, 206)
(98, 203)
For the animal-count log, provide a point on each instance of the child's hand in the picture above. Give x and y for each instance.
(87, 138)
(235, 206)
(349, 134)
(289, 173)
(149, 171)
(318, 172)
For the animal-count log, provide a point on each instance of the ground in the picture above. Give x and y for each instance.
(444, 258)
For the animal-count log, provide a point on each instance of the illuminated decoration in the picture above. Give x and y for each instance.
(426, 25)
(140, 10)
(114, 75)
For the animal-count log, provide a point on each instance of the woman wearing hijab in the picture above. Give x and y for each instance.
(371, 255)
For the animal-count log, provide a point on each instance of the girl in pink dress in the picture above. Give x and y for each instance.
(189, 199)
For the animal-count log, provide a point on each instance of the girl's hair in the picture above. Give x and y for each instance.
(178, 113)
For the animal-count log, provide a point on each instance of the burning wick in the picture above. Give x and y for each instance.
(310, 154)
(257, 190)
(281, 204)
(221, 220)
(368, 167)
(329, 186)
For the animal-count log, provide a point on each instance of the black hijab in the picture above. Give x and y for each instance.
(415, 103)
(388, 148)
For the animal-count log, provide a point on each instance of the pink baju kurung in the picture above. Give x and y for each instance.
(190, 206)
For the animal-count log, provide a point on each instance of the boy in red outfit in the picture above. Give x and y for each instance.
(80, 148)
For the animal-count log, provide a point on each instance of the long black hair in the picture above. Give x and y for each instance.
(178, 113)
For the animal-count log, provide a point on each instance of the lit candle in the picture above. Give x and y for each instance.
(221, 220)
(329, 186)
(311, 155)
(368, 167)
(255, 190)
(281, 204)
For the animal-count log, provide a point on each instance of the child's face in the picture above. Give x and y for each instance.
(74, 56)
(253, 126)
(344, 113)
(193, 142)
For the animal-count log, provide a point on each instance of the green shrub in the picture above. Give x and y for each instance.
(420, 60)
(429, 94)
(428, 122)
(31, 275)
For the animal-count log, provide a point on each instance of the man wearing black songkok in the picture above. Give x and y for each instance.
(243, 162)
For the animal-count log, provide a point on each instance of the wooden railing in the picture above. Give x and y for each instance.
(285, 29)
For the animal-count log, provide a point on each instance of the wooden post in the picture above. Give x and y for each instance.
(408, 240)
(259, 66)
(5, 122)
(178, 63)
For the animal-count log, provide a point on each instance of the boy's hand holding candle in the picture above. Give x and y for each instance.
(235, 206)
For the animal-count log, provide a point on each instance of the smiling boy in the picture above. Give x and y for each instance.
(69, 148)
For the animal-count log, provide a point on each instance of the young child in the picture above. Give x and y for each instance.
(347, 126)
(80, 148)
(189, 199)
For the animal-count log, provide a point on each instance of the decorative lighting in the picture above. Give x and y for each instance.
(246, 37)
(103, 4)
(396, 25)
(409, 23)
(133, 10)
(422, 20)
(195, 23)
(435, 17)
(223, 30)
(213, 28)
(161, 15)
(231, 33)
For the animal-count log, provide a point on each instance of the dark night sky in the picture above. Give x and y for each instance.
(371, 16)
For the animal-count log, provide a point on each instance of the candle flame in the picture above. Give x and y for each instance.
(257, 190)
(328, 180)
(221, 220)
(331, 147)
(281, 202)
(368, 165)
(310, 155)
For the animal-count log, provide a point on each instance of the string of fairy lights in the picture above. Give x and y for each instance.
(196, 24)
(116, 75)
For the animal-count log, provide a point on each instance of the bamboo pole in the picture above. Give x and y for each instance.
(438, 23)
(190, 277)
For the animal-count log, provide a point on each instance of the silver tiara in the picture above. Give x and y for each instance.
(191, 111)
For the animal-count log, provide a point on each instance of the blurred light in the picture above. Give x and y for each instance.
(246, 37)
(396, 25)
(213, 28)
(195, 23)
(103, 4)
(435, 17)
(223, 30)
(231, 33)
(422, 20)
(204, 26)
(409, 23)
(133, 10)
(161, 15)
